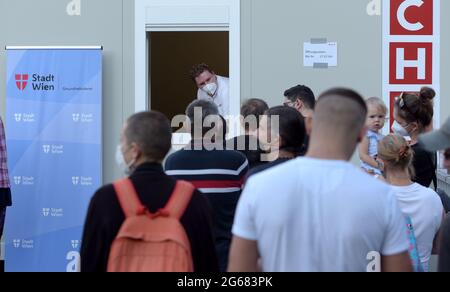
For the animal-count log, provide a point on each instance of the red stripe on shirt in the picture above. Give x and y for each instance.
(217, 184)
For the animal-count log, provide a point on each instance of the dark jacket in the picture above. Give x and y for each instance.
(154, 187)
(444, 253)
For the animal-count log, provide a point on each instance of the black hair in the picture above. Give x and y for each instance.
(302, 92)
(208, 110)
(418, 107)
(151, 131)
(291, 129)
(253, 107)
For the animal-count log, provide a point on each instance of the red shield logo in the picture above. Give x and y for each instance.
(21, 81)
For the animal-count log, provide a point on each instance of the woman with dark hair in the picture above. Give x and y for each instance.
(281, 134)
(414, 116)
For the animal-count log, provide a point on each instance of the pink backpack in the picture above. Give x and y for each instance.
(151, 242)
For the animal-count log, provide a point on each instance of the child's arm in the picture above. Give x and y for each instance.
(364, 153)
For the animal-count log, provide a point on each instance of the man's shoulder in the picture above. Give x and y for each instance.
(186, 152)
(104, 194)
(298, 171)
(229, 161)
(223, 79)
(177, 154)
(232, 154)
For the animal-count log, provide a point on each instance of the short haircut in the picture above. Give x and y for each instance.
(207, 109)
(198, 69)
(302, 92)
(151, 131)
(253, 107)
(347, 94)
(377, 103)
(341, 113)
(291, 128)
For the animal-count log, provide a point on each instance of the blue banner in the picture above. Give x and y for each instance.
(54, 140)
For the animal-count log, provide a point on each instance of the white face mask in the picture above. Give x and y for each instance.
(210, 88)
(399, 129)
(120, 160)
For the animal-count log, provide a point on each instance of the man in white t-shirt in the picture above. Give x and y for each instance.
(212, 87)
(320, 213)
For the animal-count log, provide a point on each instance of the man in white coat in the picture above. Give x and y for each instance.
(212, 87)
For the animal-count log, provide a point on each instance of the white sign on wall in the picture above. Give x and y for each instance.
(320, 54)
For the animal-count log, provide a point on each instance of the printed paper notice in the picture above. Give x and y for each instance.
(320, 55)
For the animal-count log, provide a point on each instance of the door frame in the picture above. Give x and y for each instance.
(186, 15)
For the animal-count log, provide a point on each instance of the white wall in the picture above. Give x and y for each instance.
(272, 36)
(273, 33)
(109, 23)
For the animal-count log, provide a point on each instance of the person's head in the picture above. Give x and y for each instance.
(146, 137)
(251, 112)
(437, 141)
(203, 117)
(414, 112)
(376, 116)
(338, 124)
(301, 98)
(396, 155)
(204, 78)
(289, 136)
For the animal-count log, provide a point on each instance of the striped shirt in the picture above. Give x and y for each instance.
(219, 175)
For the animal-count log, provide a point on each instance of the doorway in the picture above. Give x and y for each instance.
(172, 55)
(179, 16)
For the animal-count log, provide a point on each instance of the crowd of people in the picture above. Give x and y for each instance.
(283, 196)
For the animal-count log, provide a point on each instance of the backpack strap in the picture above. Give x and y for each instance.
(128, 198)
(180, 199)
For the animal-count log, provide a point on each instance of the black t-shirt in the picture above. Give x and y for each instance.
(154, 187)
(444, 254)
(249, 146)
(424, 165)
(266, 166)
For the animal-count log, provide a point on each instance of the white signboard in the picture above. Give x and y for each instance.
(321, 55)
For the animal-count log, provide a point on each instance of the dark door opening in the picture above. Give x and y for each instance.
(172, 55)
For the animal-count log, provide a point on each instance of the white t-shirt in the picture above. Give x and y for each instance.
(318, 215)
(425, 209)
(222, 96)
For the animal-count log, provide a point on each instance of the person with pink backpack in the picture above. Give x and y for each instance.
(148, 222)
